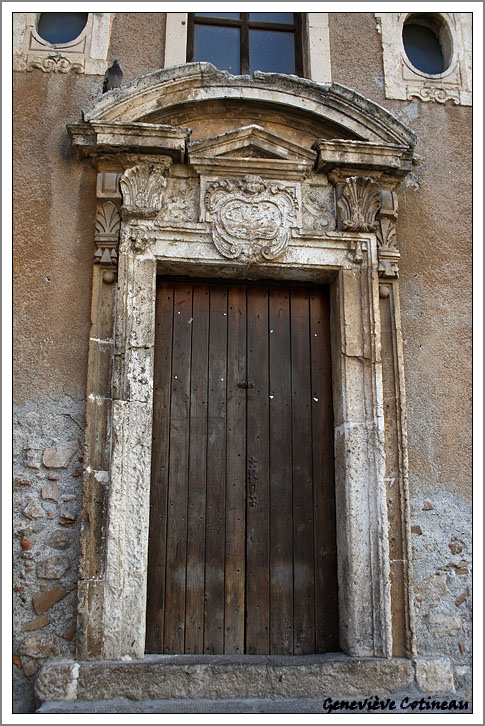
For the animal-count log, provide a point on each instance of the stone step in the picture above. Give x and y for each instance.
(250, 680)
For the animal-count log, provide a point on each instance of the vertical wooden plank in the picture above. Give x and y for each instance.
(257, 511)
(326, 596)
(216, 472)
(304, 595)
(281, 505)
(178, 474)
(194, 603)
(159, 474)
(235, 565)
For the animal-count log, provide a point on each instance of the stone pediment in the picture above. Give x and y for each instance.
(251, 149)
(250, 141)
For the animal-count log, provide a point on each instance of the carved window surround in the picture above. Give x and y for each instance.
(87, 53)
(316, 44)
(405, 82)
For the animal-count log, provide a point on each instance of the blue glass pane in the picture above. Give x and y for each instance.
(61, 27)
(272, 17)
(423, 48)
(234, 16)
(271, 51)
(219, 46)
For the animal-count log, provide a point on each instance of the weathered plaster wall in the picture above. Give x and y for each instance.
(54, 206)
(53, 213)
(434, 233)
(54, 210)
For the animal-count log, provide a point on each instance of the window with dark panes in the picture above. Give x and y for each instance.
(242, 43)
(61, 27)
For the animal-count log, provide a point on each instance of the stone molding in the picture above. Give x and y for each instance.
(94, 139)
(87, 53)
(193, 82)
(404, 81)
(395, 159)
(106, 239)
(388, 267)
(250, 218)
(251, 149)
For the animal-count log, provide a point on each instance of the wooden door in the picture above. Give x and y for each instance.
(242, 555)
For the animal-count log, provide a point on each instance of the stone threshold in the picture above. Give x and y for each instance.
(167, 677)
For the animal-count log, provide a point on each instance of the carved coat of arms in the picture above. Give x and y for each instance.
(251, 218)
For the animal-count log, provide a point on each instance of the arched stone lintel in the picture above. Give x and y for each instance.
(193, 82)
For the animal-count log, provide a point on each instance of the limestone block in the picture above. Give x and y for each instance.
(53, 568)
(57, 682)
(36, 624)
(442, 625)
(30, 667)
(434, 585)
(34, 509)
(40, 646)
(33, 458)
(133, 375)
(60, 456)
(44, 600)
(51, 491)
(434, 675)
(59, 540)
(271, 677)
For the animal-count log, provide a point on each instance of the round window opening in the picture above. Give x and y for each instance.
(427, 42)
(61, 27)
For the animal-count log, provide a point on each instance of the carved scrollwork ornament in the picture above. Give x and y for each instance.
(251, 218)
(313, 203)
(55, 64)
(358, 202)
(438, 95)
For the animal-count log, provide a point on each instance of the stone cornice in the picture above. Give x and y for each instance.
(394, 159)
(192, 82)
(97, 138)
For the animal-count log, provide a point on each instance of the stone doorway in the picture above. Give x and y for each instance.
(242, 545)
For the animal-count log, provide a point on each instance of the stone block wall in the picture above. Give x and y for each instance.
(47, 476)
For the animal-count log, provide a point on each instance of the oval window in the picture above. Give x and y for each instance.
(61, 27)
(427, 43)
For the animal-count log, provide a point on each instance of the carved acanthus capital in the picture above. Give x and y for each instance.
(106, 239)
(251, 218)
(142, 186)
(358, 201)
